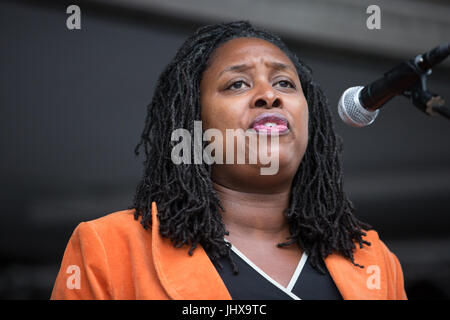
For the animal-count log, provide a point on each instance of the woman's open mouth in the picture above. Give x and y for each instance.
(270, 123)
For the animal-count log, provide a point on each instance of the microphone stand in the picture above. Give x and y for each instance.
(424, 100)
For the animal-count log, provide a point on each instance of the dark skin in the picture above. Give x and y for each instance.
(245, 78)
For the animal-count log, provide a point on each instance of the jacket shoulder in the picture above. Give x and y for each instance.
(118, 231)
(375, 250)
(107, 252)
(120, 222)
(371, 235)
(378, 256)
(377, 246)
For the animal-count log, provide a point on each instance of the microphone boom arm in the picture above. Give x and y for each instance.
(409, 79)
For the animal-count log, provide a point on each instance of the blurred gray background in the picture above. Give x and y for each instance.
(73, 104)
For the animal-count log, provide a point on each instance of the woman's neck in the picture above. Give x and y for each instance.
(258, 216)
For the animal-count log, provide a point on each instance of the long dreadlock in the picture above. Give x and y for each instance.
(320, 215)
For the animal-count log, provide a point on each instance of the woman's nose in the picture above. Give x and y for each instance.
(267, 98)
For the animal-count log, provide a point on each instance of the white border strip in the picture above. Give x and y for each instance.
(275, 283)
(297, 272)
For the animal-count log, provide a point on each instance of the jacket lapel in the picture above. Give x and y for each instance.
(185, 277)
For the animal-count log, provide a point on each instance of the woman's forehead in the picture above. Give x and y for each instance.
(247, 50)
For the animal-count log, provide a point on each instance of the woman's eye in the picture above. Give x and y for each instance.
(237, 85)
(285, 84)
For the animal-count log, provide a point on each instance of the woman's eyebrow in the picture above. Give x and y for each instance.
(280, 66)
(237, 67)
(242, 67)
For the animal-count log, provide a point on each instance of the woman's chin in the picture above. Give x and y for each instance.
(277, 159)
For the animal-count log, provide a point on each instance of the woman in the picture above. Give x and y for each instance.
(224, 231)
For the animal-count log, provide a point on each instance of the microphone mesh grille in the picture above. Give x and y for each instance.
(352, 112)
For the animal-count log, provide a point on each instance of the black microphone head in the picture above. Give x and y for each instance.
(352, 111)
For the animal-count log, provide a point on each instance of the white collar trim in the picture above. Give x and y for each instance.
(294, 278)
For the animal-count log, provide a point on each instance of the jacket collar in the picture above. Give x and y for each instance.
(194, 277)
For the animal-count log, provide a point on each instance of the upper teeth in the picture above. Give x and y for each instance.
(270, 124)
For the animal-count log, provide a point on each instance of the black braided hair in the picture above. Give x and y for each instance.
(320, 215)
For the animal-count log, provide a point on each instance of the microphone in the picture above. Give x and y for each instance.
(359, 106)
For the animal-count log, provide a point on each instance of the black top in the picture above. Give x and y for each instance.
(251, 283)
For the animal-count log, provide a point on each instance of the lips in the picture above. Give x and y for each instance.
(270, 123)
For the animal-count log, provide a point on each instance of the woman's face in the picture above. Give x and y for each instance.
(251, 84)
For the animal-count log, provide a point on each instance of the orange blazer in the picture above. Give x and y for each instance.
(114, 257)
